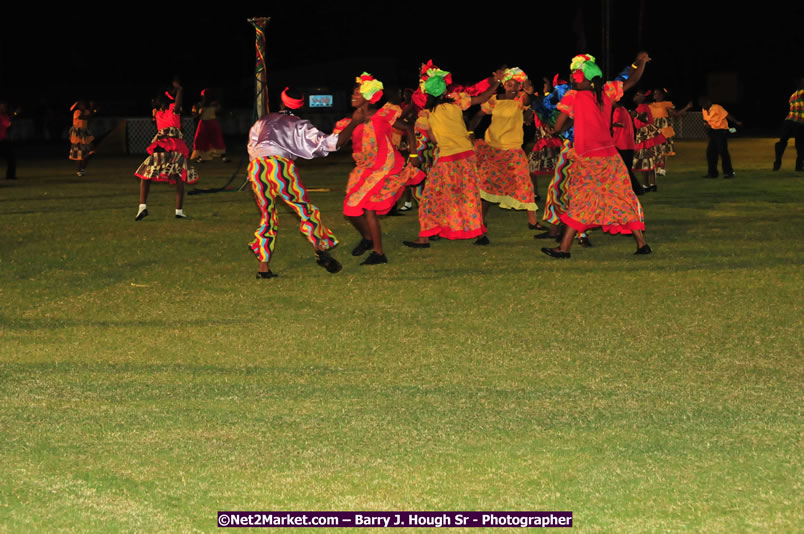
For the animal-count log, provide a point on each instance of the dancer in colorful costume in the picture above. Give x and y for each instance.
(208, 142)
(649, 142)
(662, 110)
(275, 141)
(168, 153)
(380, 174)
(450, 206)
(502, 167)
(600, 193)
(546, 146)
(81, 148)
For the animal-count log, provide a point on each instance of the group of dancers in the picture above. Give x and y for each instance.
(458, 177)
(462, 176)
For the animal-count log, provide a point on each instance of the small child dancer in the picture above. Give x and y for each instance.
(168, 153)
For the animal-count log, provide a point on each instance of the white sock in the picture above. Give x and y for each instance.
(408, 204)
(180, 213)
(142, 208)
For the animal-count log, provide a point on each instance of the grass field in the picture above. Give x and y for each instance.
(147, 380)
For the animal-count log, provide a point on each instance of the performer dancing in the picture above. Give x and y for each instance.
(502, 166)
(662, 110)
(168, 153)
(600, 194)
(208, 142)
(380, 174)
(275, 141)
(450, 206)
(649, 142)
(793, 127)
(81, 148)
(546, 146)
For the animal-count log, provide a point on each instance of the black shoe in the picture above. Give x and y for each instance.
(182, 216)
(141, 215)
(544, 235)
(652, 188)
(710, 175)
(584, 242)
(364, 246)
(325, 260)
(434, 237)
(413, 244)
(645, 249)
(394, 212)
(536, 226)
(556, 253)
(537, 198)
(269, 274)
(777, 165)
(482, 240)
(374, 259)
(730, 175)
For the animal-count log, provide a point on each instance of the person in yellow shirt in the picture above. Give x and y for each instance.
(717, 123)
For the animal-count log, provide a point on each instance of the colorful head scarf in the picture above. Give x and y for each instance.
(370, 88)
(516, 74)
(583, 67)
(435, 83)
(291, 103)
(432, 80)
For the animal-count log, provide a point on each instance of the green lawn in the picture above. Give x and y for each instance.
(147, 380)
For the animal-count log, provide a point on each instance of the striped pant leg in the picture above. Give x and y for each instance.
(556, 202)
(260, 172)
(292, 191)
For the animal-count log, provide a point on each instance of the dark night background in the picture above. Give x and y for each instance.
(750, 60)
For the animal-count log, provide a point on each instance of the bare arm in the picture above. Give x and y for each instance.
(358, 117)
(562, 123)
(494, 83)
(733, 119)
(179, 95)
(636, 74)
(402, 125)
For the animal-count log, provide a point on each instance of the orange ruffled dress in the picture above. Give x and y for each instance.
(380, 174)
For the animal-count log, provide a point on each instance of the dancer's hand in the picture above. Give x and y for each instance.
(527, 86)
(176, 84)
(498, 75)
(642, 57)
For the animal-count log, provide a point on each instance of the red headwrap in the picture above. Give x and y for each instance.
(167, 94)
(291, 103)
(558, 81)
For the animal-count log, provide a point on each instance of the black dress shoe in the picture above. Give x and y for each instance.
(482, 240)
(536, 226)
(730, 175)
(364, 246)
(269, 274)
(584, 242)
(413, 244)
(374, 259)
(652, 188)
(141, 215)
(645, 249)
(556, 253)
(537, 198)
(325, 260)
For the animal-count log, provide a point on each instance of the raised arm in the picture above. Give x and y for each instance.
(179, 95)
(637, 70)
(494, 83)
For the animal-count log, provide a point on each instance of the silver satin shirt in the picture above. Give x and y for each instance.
(288, 136)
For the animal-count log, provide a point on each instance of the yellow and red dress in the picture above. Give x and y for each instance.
(503, 175)
(80, 138)
(599, 189)
(661, 119)
(380, 174)
(450, 206)
(649, 141)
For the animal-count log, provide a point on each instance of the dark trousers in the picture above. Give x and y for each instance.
(718, 147)
(795, 130)
(628, 159)
(7, 153)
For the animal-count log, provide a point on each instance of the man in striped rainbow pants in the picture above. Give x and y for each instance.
(275, 141)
